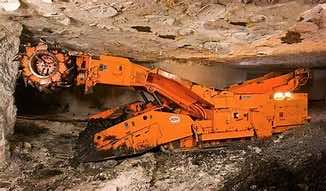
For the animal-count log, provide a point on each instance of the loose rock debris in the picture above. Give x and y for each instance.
(43, 159)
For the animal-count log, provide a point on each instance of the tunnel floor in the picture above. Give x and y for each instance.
(42, 158)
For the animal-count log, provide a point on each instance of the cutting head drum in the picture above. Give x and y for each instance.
(43, 64)
(45, 68)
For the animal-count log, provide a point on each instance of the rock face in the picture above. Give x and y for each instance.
(9, 5)
(227, 31)
(9, 46)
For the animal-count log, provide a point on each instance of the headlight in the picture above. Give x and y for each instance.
(282, 95)
(288, 95)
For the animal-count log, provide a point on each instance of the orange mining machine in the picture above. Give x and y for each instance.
(174, 114)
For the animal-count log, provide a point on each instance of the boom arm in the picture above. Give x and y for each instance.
(121, 72)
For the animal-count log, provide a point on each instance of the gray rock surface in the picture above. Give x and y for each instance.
(9, 46)
(42, 159)
(220, 31)
(9, 5)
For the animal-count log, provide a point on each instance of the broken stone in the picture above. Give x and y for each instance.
(316, 15)
(211, 45)
(255, 149)
(241, 35)
(103, 11)
(217, 25)
(43, 8)
(106, 26)
(65, 20)
(169, 21)
(47, 1)
(185, 31)
(27, 146)
(101, 176)
(214, 46)
(212, 12)
(9, 5)
(99, 165)
(279, 138)
(132, 174)
(304, 27)
(313, 13)
(257, 18)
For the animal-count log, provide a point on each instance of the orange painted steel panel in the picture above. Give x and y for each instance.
(272, 82)
(292, 111)
(227, 135)
(144, 132)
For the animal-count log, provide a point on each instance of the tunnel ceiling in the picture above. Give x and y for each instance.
(242, 32)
